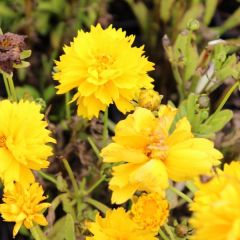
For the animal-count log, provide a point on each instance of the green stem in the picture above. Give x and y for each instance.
(72, 178)
(179, 81)
(12, 88)
(47, 177)
(37, 233)
(191, 186)
(96, 184)
(169, 232)
(6, 86)
(111, 125)
(180, 194)
(100, 206)
(67, 106)
(226, 97)
(105, 128)
(94, 147)
(162, 234)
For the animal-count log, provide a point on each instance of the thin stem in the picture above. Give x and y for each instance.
(67, 106)
(100, 206)
(162, 234)
(180, 194)
(12, 88)
(96, 184)
(72, 178)
(105, 127)
(6, 86)
(37, 233)
(191, 186)
(94, 147)
(169, 232)
(226, 97)
(47, 177)
(111, 125)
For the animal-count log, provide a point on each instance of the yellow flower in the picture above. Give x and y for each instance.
(105, 68)
(216, 206)
(23, 139)
(117, 225)
(22, 204)
(150, 211)
(149, 155)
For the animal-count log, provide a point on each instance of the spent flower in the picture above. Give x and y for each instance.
(11, 46)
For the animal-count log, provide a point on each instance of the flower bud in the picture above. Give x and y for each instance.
(149, 99)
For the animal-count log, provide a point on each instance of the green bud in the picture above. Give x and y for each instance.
(193, 25)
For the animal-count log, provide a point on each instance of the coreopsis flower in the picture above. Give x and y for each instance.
(150, 211)
(23, 141)
(216, 206)
(148, 155)
(117, 225)
(11, 46)
(23, 205)
(104, 68)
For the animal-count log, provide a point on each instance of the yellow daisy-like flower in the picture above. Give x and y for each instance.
(23, 139)
(22, 204)
(104, 68)
(117, 225)
(149, 155)
(216, 206)
(150, 211)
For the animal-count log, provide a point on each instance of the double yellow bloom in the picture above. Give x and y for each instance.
(148, 155)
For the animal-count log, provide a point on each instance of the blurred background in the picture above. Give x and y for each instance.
(49, 24)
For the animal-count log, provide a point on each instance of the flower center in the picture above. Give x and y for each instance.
(2, 141)
(157, 148)
(103, 62)
(150, 211)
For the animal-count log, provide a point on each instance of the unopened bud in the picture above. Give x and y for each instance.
(193, 25)
(41, 102)
(149, 99)
(204, 101)
(181, 230)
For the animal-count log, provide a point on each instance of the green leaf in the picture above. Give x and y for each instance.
(231, 22)
(165, 9)
(217, 121)
(210, 7)
(194, 12)
(23, 64)
(63, 229)
(25, 54)
(141, 12)
(27, 92)
(186, 54)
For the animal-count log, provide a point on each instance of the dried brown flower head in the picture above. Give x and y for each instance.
(11, 45)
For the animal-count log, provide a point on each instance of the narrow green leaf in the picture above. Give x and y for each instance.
(210, 7)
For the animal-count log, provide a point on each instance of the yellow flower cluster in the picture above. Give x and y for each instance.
(23, 147)
(104, 68)
(148, 155)
(216, 206)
